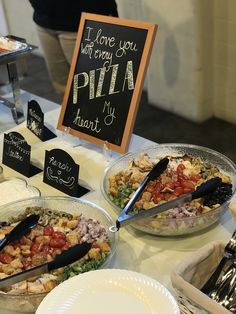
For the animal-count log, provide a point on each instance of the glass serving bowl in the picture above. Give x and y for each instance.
(28, 303)
(13, 189)
(173, 226)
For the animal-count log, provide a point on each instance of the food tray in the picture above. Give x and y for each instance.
(10, 46)
(191, 274)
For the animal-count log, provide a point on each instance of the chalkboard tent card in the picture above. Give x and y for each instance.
(16, 154)
(35, 122)
(62, 173)
(106, 78)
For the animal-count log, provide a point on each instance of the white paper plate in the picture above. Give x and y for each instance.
(109, 291)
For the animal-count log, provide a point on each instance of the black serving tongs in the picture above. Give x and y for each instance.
(67, 257)
(205, 188)
(21, 229)
(156, 171)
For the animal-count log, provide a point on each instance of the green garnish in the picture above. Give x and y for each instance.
(124, 193)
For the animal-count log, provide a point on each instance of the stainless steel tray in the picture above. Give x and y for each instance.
(10, 47)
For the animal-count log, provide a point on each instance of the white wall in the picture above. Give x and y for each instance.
(176, 65)
(3, 24)
(225, 60)
(18, 14)
(175, 74)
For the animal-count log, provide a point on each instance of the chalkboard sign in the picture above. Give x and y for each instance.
(35, 122)
(16, 154)
(62, 173)
(106, 78)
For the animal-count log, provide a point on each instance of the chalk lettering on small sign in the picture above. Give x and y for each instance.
(16, 154)
(105, 80)
(62, 173)
(35, 122)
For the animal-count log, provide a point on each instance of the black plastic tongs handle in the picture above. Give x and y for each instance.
(156, 171)
(20, 230)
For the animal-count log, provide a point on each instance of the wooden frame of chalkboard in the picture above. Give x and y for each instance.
(106, 78)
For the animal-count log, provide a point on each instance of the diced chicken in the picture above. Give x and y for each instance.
(19, 288)
(10, 250)
(49, 285)
(39, 258)
(35, 232)
(104, 247)
(7, 269)
(26, 241)
(147, 196)
(94, 253)
(147, 205)
(35, 287)
(25, 250)
(113, 191)
(16, 263)
(73, 238)
(61, 222)
(42, 239)
(2, 275)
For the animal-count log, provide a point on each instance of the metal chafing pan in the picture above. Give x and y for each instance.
(11, 46)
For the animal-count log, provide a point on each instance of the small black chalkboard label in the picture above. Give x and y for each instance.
(35, 122)
(62, 173)
(106, 78)
(16, 154)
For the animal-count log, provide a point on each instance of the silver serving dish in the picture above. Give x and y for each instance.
(12, 47)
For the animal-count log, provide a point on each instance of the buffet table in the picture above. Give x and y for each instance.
(137, 251)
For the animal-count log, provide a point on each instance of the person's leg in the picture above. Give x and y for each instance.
(57, 65)
(67, 41)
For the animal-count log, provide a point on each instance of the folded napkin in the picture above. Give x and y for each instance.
(190, 275)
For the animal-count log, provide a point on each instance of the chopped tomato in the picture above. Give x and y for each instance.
(46, 249)
(178, 191)
(5, 258)
(188, 190)
(26, 264)
(195, 178)
(182, 177)
(176, 184)
(187, 184)
(157, 188)
(95, 245)
(180, 168)
(150, 187)
(57, 243)
(35, 248)
(58, 235)
(170, 185)
(168, 196)
(48, 230)
(158, 197)
(66, 246)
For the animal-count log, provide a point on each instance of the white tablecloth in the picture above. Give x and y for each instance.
(137, 251)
